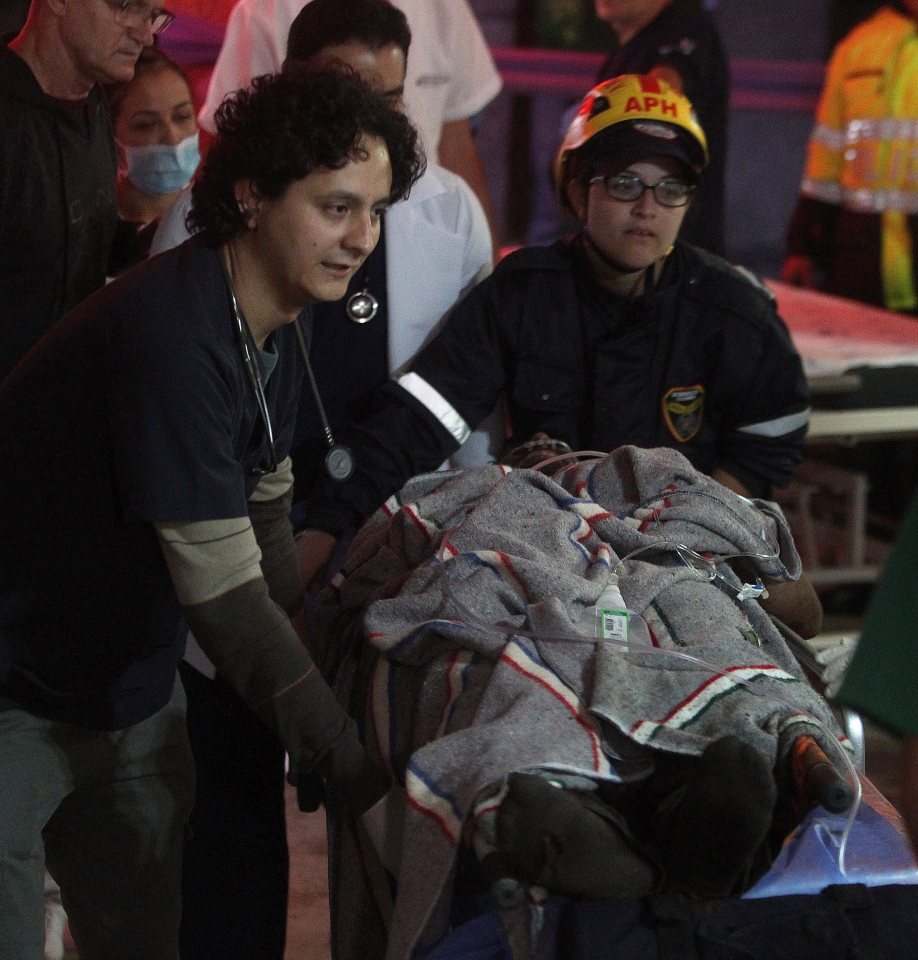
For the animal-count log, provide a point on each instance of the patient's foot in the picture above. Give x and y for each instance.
(550, 839)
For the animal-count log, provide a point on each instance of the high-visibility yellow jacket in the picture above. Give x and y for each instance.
(863, 151)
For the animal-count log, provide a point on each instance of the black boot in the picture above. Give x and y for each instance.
(708, 833)
(551, 837)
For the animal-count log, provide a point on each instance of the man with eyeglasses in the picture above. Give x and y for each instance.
(57, 157)
(620, 334)
(132, 12)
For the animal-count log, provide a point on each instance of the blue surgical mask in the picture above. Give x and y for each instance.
(162, 168)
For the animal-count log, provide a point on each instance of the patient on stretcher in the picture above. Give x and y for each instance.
(462, 634)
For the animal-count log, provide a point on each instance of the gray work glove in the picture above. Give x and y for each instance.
(347, 770)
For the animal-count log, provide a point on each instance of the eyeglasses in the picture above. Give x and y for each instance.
(131, 13)
(629, 187)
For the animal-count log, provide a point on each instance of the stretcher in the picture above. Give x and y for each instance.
(461, 632)
(861, 363)
(843, 345)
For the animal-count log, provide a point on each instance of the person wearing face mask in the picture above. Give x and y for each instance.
(619, 334)
(156, 132)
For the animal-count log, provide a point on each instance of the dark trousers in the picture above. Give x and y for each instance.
(106, 811)
(236, 865)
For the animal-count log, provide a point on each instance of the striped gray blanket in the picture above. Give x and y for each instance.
(460, 632)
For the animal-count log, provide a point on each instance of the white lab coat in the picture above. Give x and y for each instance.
(451, 73)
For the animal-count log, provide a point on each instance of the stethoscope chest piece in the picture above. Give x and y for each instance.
(361, 307)
(339, 463)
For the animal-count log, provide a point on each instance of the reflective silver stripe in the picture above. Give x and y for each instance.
(821, 190)
(860, 146)
(876, 201)
(881, 128)
(828, 136)
(424, 393)
(873, 129)
(861, 199)
(779, 427)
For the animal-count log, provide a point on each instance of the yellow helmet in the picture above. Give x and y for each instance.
(651, 116)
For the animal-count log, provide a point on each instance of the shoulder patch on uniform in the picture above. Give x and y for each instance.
(683, 411)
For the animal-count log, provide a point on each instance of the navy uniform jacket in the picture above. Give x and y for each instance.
(702, 364)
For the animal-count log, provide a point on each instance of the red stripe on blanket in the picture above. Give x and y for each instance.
(453, 686)
(698, 691)
(437, 819)
(649, 515)
(418, 520)
(508, 566)
(594, 740)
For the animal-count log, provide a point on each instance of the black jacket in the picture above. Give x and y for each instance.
(57, 204)
(702, 364)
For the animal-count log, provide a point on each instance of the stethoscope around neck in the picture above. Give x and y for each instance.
(339, 461)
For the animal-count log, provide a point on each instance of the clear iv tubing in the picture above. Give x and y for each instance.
(445, 557)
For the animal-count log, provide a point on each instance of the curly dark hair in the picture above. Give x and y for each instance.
(330, 23)
(284, 127)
